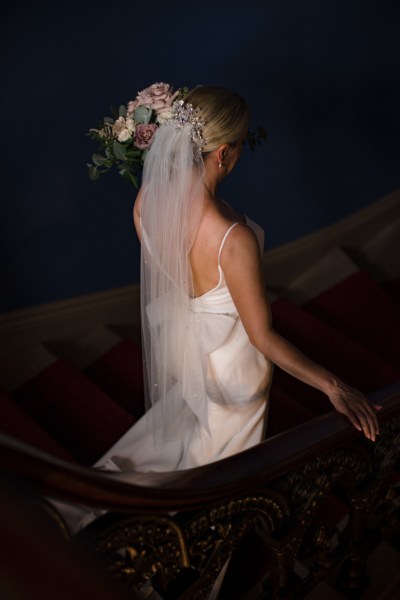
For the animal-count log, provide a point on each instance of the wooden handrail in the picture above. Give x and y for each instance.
(192, 488)
(278, 489)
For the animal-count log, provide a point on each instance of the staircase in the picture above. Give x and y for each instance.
(83, 393)
(73, 395)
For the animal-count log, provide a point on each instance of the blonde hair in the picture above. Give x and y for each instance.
(226, 114)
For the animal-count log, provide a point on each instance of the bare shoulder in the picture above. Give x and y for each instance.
(218, 217)
(213, 226)
(240, 244)
(216, 221)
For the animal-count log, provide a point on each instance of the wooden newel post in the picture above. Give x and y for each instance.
(281, 570)
(353, 577)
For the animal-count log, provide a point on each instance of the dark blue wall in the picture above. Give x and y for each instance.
(321, 76)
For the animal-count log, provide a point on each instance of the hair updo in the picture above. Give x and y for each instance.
(225, 113)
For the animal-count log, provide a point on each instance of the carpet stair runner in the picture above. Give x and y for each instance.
(74, 399)
(85, 398)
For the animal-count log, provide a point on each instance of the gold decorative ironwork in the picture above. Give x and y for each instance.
(214, 534)
(135, 548)
(184, 553)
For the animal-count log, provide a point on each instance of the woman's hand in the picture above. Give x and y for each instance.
(361, 413)
(242, 267)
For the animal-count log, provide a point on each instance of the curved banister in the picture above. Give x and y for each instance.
(180, 490)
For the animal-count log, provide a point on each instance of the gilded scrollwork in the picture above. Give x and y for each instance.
(185, 552)
(305, 490)
(304, 486)
(135, 548)
(214, 534)
(387, 448)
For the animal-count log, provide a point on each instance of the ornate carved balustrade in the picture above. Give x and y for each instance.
(285, 512)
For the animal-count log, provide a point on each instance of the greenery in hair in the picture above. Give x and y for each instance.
(125, 138)
(256, 138)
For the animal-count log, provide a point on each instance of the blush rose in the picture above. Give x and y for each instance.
(157, 97)
(144, 135)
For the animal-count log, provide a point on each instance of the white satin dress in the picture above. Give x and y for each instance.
(238, 382)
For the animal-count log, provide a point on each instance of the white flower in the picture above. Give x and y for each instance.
(130, 124)
(123, 129)
(164, 116)
(124, 135)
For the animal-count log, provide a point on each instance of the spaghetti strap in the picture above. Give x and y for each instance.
(224, 239)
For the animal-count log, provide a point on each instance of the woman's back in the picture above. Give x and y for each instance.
(215, 222)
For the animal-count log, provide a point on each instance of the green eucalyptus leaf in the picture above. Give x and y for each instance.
(93, 173)
(108, 120)
(122, 111)
(119, 150)
(133, 154)
(129, 177)
(142, 114)
(99, 159)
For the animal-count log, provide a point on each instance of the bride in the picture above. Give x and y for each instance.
(208, 339)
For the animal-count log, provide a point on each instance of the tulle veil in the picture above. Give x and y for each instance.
(171, 210)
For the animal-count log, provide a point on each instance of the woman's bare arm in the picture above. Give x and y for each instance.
(136, 215)
(242, 267)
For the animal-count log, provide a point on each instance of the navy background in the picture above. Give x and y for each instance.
(321, 77)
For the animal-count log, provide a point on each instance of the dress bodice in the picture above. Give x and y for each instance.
(223, 392)
(218, 299)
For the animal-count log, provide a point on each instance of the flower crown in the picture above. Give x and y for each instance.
(125, 138)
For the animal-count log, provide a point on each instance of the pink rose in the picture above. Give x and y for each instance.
(144, 135)
(157, 97)
(132, 106)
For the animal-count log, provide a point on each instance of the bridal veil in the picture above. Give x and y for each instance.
(171, 209)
